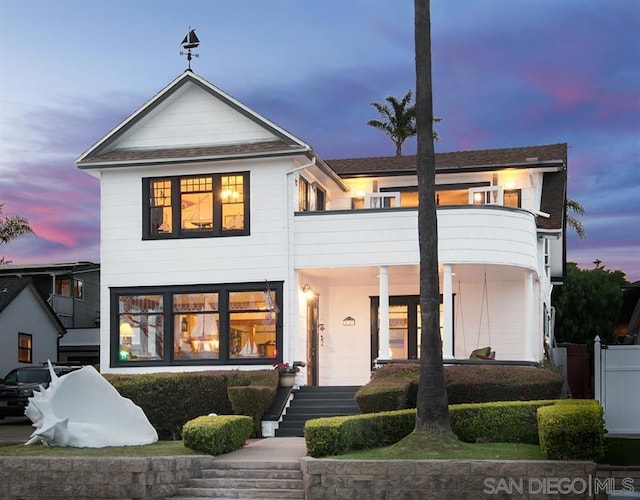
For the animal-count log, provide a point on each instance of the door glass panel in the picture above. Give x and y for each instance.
(398, 332)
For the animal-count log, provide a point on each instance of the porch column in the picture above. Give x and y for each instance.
(447, 303)
(528, 316)
(383, 330)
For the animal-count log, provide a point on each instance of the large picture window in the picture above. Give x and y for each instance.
(209, 324)
(195, 206)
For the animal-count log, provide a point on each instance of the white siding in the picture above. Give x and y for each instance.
(192, 116)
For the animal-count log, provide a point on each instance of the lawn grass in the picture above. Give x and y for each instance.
(621, 451)
(159, 449)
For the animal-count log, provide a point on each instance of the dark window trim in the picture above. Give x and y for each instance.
(303, 194)
(438, 187)
(513, 191)
(26, 350)
(177, 233)
(223, 308)
(412, 301)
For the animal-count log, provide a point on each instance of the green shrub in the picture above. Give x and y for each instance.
(253, 401)
(572, 430)
(171, 399)
(217, 435)
(497, 422)
(395, 386)
(337, 435)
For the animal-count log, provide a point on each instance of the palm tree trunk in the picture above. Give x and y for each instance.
(432, 404)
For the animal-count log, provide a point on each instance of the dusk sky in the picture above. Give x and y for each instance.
(506, 73)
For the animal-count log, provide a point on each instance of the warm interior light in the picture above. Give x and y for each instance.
(478, 197)
(360, 193)
(126, 331)
(510, 185)
(308, 292)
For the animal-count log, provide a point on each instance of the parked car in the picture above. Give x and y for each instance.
(18, 386)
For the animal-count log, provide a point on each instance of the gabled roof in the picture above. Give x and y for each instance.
(20, 270)
(103, 152)
(11, 288)
(483, 159)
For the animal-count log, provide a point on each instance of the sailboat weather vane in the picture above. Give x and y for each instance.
(190, 42)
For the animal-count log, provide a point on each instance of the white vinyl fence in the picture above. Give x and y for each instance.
(617, 386)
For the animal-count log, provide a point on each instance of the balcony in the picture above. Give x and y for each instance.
(475, 234)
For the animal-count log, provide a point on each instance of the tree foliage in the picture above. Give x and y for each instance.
(12, 228)
(588, 304)
(574, 210)
(398, 120)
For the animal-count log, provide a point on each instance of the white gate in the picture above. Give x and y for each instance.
(617, 386)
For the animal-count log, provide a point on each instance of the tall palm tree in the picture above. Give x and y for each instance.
(11, 228)
(572, 220)
(432, 408)
(399, 120)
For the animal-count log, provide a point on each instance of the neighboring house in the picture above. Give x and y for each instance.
(227, 242)
(73, 292)
(628, 322)
(29, 329)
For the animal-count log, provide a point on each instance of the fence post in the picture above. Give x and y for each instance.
(597, 352)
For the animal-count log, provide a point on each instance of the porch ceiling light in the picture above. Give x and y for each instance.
(308, 292)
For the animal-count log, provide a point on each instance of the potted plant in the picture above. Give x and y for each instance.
(287, 373)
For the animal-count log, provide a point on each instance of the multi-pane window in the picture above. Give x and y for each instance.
(25, 348)
(214, 324)
(512, 198)
(232, 202)
(195, 206)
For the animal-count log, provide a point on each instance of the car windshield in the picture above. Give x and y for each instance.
(27, 377)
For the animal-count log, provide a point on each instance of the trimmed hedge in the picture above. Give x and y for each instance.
(252, 400)
(572, 430)
(395, 386)
(217, 435)
(503, 422)
(169, 400)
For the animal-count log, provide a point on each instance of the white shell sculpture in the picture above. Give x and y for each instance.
(83, 410)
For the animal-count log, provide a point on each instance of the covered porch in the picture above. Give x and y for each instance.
(356, 317)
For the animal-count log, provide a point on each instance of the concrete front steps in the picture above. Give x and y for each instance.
(315, 402)
(245, 480)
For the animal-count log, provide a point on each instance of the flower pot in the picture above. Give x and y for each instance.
(287, 379)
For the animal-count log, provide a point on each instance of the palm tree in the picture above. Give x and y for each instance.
(398, 120)
(11, 228)
(432, 408)
(572, 220)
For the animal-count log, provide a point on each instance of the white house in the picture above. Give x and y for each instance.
(227, 242)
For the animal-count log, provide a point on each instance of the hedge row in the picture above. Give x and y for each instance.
(512, 421)
(169, 400)
(395, 386)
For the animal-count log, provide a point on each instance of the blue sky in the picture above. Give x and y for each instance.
(506, 73)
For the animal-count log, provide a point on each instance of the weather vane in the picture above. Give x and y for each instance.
(190, 42)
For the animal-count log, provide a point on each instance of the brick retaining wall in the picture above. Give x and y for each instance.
(97, 477)
(436, 479)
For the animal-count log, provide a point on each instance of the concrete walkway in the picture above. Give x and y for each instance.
(281, 449)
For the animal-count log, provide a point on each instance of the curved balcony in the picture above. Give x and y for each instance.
(485, 234)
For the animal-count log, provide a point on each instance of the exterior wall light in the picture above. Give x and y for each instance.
(308, 292)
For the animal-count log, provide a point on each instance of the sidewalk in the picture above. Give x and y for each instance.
(281, 449)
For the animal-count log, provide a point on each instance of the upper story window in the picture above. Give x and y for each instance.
(196, 206)
(69, 287)
(303, 195)
(512, 198)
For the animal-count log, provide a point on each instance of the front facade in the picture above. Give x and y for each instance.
(227, 242)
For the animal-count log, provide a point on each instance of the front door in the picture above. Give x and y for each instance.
(312, 341)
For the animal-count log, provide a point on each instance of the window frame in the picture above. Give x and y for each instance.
(224, 313)
(304, 195)
(178, 232)
(28, 350)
